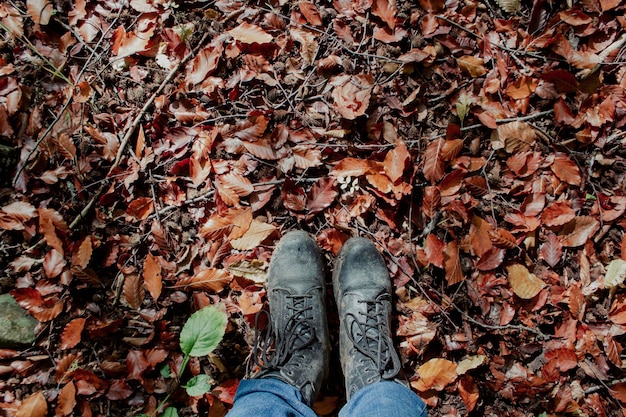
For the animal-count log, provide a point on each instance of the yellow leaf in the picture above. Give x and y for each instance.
(615, 273)
(525, 285)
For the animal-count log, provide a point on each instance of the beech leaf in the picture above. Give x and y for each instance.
(35, 405)
(472, 65)
(249, 33)
(436, 374)
(253, 237)
(615, 273)
(203, 331)
(71, 334)
(152, 276)
(579, 230)
(211, 279)
(524, 284)
(66, 401)
(40, 11)
(322, 195)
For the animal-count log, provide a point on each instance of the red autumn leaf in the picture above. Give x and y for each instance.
(566, 169)
(293, 196)
(305, 157)
(331, 239)
(129, 43)
(433, 166)
(48, 220)
(433, 248)
(504, 239)
(13, 216)
(48, 311)
(66, 401)
(565, 359)
(88, 383)
(480, 236)
(119, 390)
(204, 64)
(579, 230)
(386, 10)
(141, 208)
(618, 391)
(310, 13)
(211, 279)
(558, 214)
(396, 160)
(452, 263)
(617, 313)
(53, 263)
(28, 298)
(431, 201)
(476, 185)
(351, 167)
(155, 356)
(136, 364)
(35, 405)
(491, 259)
(613, 350)
(71, 334)
(522, 88)
(322, 195)
(551, 250)
(524, 163)
(152, 277)
(451, 182)
(380, 181)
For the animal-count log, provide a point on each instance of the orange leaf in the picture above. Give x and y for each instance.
(452, 263)
(352, 95)
(322, 195)
(211, 279)
(566, 169)
(522, 88)
(71, 333)
(351, 167)
(474, 66)
(380, 181)
(152, 276)
(248, 33)
(133, 291)
(140, 208)
(431, 201)
(436, 374)
(66, 401)
(306, 157)
(34, 406)
(396, 160)
(618, 391)
(205, 62)
(48, 311)
(47, 228)
(310, 13)
(578, 231)
(13, 216)
(53, 263)
(524, 284)
(516, 137)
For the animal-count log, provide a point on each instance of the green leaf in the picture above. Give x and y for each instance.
(203, 331)
(166, 371)
(170, 412)
(198, 385)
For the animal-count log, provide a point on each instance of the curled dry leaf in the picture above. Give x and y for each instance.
(396, 161)
(308, 43)
(514, 137)
(615, 273)
(435, 374)
(310, 13)
(524, 284)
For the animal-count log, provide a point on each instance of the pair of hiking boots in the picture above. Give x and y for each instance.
(295, 348)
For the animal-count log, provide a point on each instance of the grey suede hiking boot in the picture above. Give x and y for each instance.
(295, 348)
(363, 292)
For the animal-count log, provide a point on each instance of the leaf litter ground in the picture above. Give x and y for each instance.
(154, 152)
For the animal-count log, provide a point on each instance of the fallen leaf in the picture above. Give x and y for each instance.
(386, 10)
(141, 208)
(119, 390)
(468, 389)
(249, 33)
(558, 214)
(615, 273)
(66, 401)
(434, 249)
(433, 166)
(322, 195)
(579, 230)
(53, 263)
(35, 405)
(524, 284)
(310, 13)
(152, 276)
(133, 291)
(474, 66)
(211, 279)
(40, 11)
(396, 161)
(436, 374)
(551, 250)
(566, 169)
(256, 234)
(308, 43)
(71, 334)
(452, 263)
(352, 95)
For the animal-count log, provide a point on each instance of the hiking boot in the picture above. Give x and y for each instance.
(295, 348)
(363, 292)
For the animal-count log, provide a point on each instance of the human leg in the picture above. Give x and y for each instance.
(369, 359)
(292, 359)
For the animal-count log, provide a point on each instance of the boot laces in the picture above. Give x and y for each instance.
(278, 346)
(370, 336)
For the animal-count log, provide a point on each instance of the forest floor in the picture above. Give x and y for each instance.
(163, 147)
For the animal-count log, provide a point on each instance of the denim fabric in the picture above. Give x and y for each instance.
(271, 397)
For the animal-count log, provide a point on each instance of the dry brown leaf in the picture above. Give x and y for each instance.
(433, 166)
(524, 284)
(386, 10)
(305, 157)
(351, 167)
(66, 401)
(468, 389)
(133, 291)
(396, 161)
(47, 228)
(256, 234)
(249, 33)
(566, 169)
(551, 250)
(579, 230)
(35, 405)
(452, 263)
(211, 279)
(352, 95)
(436, 374)
(558, 214)
(308, 43)
(152, 276)
(141, 208)
(71, 334)
(82, 254)
(516, 136)
(310, 13)
(40, 11)
(474, 66)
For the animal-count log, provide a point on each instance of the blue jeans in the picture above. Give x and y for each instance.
(271, 397)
